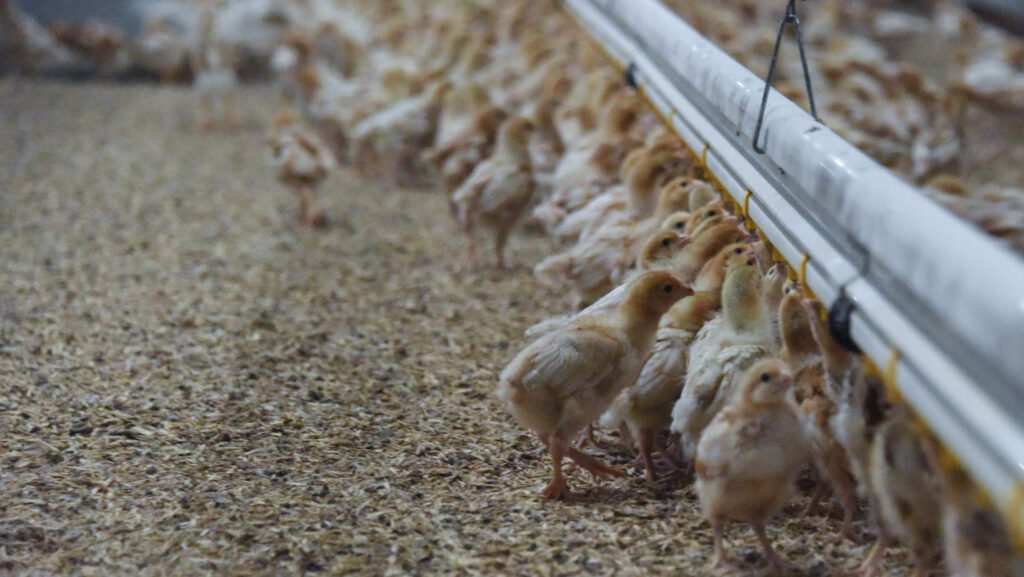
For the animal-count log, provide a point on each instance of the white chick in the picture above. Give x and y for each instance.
(564, 380)
(750, 456)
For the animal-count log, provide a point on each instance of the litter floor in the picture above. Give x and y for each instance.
(192, 384)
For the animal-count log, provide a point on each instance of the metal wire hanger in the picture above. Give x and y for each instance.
(789, 18)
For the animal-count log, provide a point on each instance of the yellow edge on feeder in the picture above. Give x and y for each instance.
(1015, 515)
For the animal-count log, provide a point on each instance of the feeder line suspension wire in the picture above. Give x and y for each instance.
(924, 294)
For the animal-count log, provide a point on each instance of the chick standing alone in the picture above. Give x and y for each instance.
(302, 162)
(565, 379)
(499, 190)
(750, 455)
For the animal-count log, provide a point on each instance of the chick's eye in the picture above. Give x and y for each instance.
(765, 377)
(668, 288)
(665, 242)
(709, 213)
(679, 225)
(737, 251)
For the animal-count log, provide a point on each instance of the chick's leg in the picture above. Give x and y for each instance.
(720, 560)
(311, 215)
(557, 488)
(500, 238)
(820, 491)
(596, 467)
(468, 228)
(872, 565)
(766, 544)
(646, 444)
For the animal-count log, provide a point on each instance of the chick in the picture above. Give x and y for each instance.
(565, 379)
(861, 409)
(635, 199)
(977, 543)
(646, 406)
(659, 250)
(595, 265)
(546, 146)
(457, 158)
(708, 240)
(801, 352)
(499, 190)
(302, 162)
(390, 141)
(904, 481)
(750, 456)
(163, 50)
(214, 79)
(725, 347)
(712, 275)
(591, 166)
(29, 45)
(98, 42)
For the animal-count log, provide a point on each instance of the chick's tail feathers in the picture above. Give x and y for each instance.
(616, 414)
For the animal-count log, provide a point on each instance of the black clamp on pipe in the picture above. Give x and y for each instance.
(630, 76)
(839, 315)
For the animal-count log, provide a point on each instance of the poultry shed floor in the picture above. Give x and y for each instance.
(192, 384)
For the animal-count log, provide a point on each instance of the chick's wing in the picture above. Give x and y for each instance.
(571, 361)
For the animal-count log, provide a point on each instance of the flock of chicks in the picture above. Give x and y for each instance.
(687, 338)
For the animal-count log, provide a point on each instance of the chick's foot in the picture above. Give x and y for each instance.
(596, 467)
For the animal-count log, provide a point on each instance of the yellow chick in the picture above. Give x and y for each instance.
(499, 190)
(904, 482)
(565, 379)
(302, 162)
(750, 456)
(702, 193)
(646, 406)
(725, 347)
(712, 275)
(772, 291)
